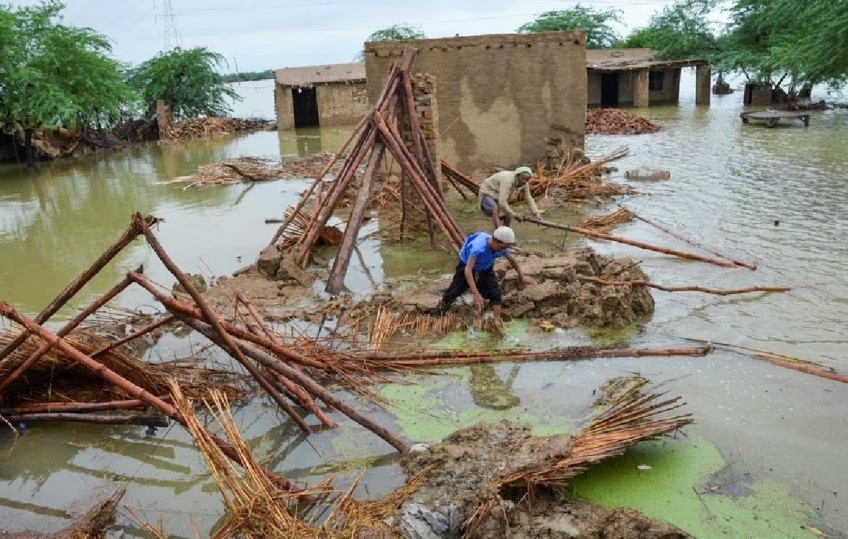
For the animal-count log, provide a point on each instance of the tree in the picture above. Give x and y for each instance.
(596, 24)
(185, 79)
(681, 30)
(396, 32)
(784, 42)
(53, 75)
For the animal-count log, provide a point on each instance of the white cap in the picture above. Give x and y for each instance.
(504, 234)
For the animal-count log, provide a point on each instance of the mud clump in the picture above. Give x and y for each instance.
(460, 470)
(564, 294)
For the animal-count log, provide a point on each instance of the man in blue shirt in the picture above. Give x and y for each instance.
(475, 270)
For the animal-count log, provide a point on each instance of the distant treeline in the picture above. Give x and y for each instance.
(248, 75)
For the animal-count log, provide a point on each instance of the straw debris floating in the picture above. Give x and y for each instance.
(254, 169)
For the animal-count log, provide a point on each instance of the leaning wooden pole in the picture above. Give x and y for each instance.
(70, 291)
(178, 307)
(354, 221)
(748, 265)
(434, 203)
(132, 389)
(717, 292)
(321, 217)
(215, 321)
(304, 197)
(641, 245)
(70, 326)
(308, 383)
(297, 391)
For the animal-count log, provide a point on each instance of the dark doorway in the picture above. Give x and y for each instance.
(609, 89)
(305, 107)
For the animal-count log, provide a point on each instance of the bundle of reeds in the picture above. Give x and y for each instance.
(608, 221)
(387, 323)
(296, 226)
(256, 507)
(57, 378)
(577, 179)
(631, 417)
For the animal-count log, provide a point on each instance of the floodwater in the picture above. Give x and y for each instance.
(776, 197)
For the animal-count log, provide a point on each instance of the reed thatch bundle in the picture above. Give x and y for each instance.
(608, 221)
(387, 323)
(57, 378)
(578, 178)
(631, 417)
(258, 508)
(296, 226)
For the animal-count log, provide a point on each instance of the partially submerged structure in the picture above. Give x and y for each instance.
(498, 100)
(331, 94)
(635, 77)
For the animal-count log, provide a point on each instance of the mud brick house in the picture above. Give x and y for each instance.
(494, 100)
(634, 77)
(331, 94)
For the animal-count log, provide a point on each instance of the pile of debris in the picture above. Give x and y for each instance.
(617, 122)
(207, 127)
(254, 169)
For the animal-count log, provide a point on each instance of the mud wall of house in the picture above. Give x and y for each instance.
(283, 107)
(342, 103)
(501, 98)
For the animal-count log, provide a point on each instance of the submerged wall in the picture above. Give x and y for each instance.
(501, 98)
(339, 103)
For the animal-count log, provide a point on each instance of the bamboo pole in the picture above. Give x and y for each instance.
(216, 322)
(73, 323)
(52, 407)
(696, 244)
(354, 222)
(76, 285)
(131, 389)
(790, 362)
(321, 217)
(178, 307)
(308, 383)
(641, 245)
(299, 393)
(150, 420)
(639, 282)
(422, 359)
(134, 335)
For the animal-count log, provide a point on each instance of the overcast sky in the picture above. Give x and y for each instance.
(254, 35)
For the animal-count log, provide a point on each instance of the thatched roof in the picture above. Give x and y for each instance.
(322, 74)
(631, 59)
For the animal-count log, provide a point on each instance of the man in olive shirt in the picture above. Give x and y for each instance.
(497, 190)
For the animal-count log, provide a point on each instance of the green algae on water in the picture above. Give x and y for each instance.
(670, 480)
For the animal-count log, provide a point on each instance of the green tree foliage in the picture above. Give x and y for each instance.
(596, 23)
(396, 32)
(187, 80)
(53, 75)
(681, 30)
(785, 42)
(248, 75)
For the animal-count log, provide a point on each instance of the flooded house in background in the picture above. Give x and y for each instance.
(634, 77)
(333, 94)
(493, 100)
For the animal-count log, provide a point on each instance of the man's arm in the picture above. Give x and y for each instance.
(534, 209)
(514, 263)
(504, 191)
(469, 277)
